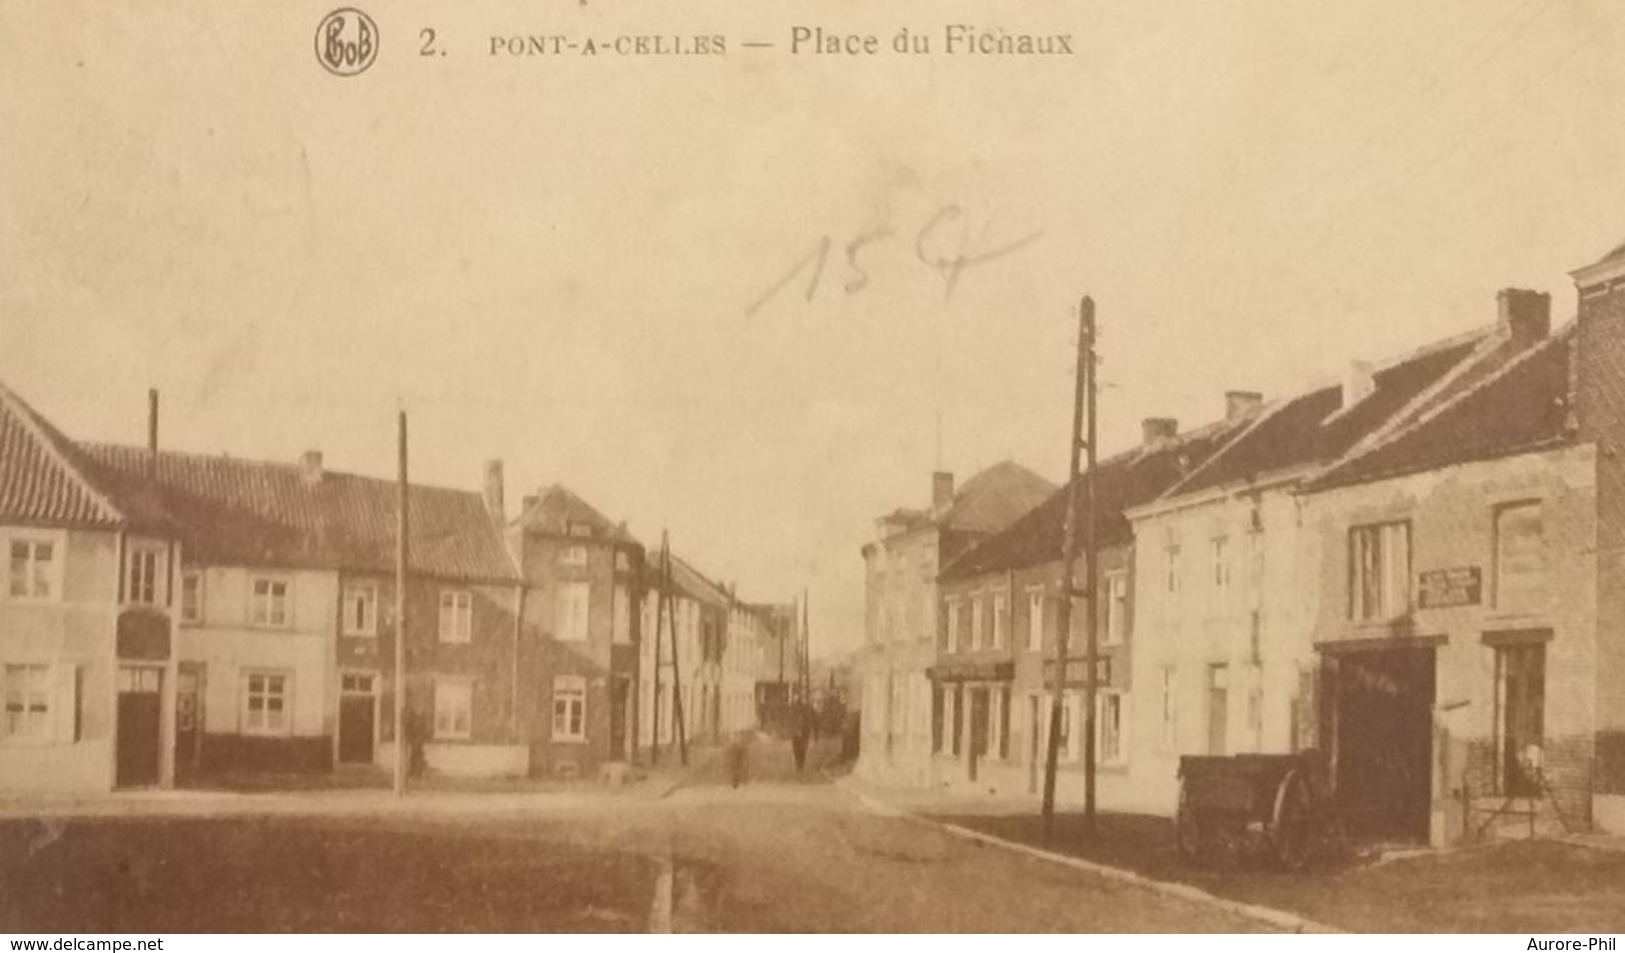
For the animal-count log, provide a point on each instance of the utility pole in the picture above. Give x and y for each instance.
(402, 748)
(1069, 551)
(1091, 583)
(676, 669)
(660, 615)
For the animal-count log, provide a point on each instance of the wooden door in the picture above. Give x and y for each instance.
(139, 716)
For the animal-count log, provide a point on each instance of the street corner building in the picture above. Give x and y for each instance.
(901, 623)
(182, 618)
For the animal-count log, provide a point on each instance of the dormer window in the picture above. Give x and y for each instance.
(574, 556)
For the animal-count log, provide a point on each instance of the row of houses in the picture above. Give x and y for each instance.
(174, 618)
(1417, 570)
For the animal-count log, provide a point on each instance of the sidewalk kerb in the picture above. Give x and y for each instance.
(1277, 918)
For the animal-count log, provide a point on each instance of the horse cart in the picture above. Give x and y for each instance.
(1276, 805)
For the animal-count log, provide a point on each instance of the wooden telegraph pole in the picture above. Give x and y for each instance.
(1091, 582)
(1082, 385)
(676, 670)
(660, 614)
(403, 750)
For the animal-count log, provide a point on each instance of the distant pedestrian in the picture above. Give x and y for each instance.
(738, 760)
(798, 742)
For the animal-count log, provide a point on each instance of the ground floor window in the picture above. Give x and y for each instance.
(957, 715)
(1002, 699)
(453, 708)
(26, 694)
(569, 708)
(1111, 728)
(1520, 703)
(265, 703)
(937, 702)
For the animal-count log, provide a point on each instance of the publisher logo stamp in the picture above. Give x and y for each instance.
(346, 42)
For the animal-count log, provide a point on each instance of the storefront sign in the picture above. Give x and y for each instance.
(972, 672)
(1077, 670)
(1456, 586)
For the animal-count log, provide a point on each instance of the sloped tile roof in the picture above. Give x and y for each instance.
(1315, 429)
(246, 512)
(43, 478)
(995, 498)
(1125, 480)
(557, 508)
(687, 580)
(1523, 405)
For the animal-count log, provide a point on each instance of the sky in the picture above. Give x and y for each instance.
(603, 271)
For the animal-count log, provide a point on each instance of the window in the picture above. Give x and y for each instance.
(265, 703)
(1116, 608)
(27, 702)
(1003, 721)
(1170, 562)
(1001, 619)
(357, 683)
(33, 569)
(1035, 620)
(1219, 551)
(572, 611)
(976, 622)
(1520, 558)
(456, 616)
(361, 610)
(1520, 710)
(192, 597)
(1069, 711)
(1109, 727)
(623, 562)
(268, 605)
(569, 708)
(574, 556)
(938, 694)
(580, 529)
(623, 615)
(1169, 716)
(144, 563)
(1379, 571)
(951, 633)
(956, 716)
(453, 708)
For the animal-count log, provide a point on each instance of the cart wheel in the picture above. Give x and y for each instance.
(1187, 835)
(1292, 822)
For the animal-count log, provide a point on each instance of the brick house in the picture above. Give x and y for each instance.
(286, 624)
(995, 668)
(1457, 572)
(577, 667)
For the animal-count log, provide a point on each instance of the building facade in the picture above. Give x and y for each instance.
(993, 680)
(901, 617)
(583, 582)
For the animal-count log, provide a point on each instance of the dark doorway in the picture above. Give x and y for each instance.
(188, 718)
(1381, 717)
(1218, 708)
(978, 729)
(139, 707)
(358, 717)
(1521, 710)
(619, 696)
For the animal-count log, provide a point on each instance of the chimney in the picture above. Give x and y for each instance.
(1158, 430)
(1357, 382)
(1240, 404)
(942, 491)
(152, 433)
(1524, 316)
(493, 491)
(310, 466)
